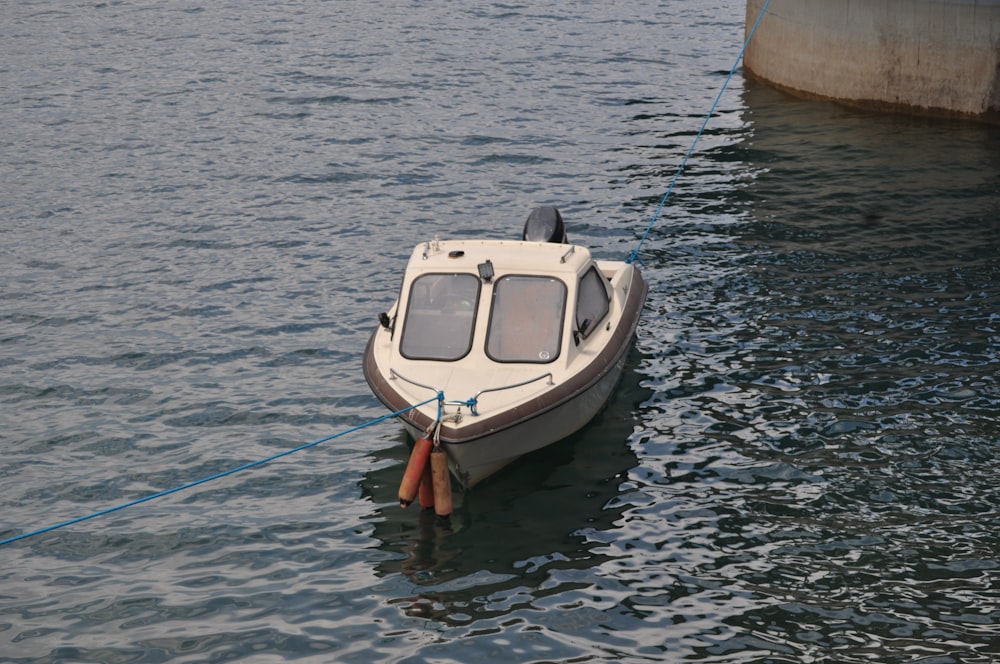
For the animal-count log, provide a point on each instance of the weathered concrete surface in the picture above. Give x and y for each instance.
(937, 57)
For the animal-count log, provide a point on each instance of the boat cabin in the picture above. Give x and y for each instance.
(499, 301)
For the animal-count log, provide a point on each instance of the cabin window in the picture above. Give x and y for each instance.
(592, 303)
(440, 317)
(526, 319)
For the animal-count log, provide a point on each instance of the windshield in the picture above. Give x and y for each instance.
(440, 317)
(526, 319)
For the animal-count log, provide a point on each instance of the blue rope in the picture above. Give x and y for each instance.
(469, 403)
(635, 252)
(226, 473)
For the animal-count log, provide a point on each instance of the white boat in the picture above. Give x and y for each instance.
(521, 343)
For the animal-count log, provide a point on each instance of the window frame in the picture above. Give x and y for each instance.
(585, 333)
(560, 327)
(407, 320)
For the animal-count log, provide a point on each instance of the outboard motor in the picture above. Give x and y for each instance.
(545, 224)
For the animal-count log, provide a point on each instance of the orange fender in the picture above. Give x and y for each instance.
(426, 491)
(442, 482)
(414, 471)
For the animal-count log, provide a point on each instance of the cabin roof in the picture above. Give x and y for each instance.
(507, 256)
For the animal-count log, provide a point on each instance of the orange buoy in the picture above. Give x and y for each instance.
(426, 491)
(414, 471)
(442, 482)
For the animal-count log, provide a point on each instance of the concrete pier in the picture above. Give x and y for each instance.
(931, 57)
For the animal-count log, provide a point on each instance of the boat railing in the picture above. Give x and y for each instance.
(395, 374)
(474, 401)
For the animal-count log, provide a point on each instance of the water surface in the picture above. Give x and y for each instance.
(205, 206)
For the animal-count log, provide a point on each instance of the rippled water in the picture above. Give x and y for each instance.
(204, 207)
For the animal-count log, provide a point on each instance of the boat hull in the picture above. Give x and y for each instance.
(472, 461)
(480, 445)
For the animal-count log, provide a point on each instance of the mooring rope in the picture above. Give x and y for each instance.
(711, 111)
(226, 473)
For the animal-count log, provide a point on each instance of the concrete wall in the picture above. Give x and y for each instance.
(938, 57)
